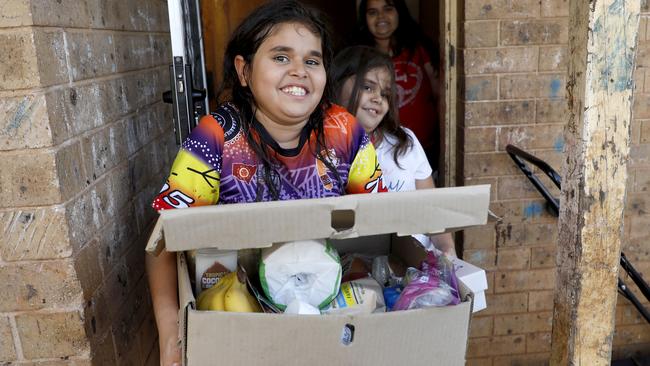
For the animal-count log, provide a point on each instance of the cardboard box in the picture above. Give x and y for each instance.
(475, 279)
(359, 222)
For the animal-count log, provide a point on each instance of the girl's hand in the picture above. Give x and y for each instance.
(444, 243)
(170, 351)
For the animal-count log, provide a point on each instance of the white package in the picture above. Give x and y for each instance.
(308, 271)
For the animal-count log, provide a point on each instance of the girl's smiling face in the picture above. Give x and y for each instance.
(287, 76)
(382, 18)
(373, 97)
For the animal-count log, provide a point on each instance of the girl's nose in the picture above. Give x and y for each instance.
(298, 70)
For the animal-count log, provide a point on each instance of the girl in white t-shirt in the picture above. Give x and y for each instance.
(364, 83)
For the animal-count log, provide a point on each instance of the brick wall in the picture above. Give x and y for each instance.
(514, 63)
(84, 145)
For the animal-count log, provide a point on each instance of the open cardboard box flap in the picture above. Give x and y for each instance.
(415, 212)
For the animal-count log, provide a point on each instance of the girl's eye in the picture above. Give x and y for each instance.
(371, 12)
(312, 62)
(367, 88)
(281, 58)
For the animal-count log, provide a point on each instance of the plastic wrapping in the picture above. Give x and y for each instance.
(434, 285)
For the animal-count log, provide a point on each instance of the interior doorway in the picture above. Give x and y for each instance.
(437, 19)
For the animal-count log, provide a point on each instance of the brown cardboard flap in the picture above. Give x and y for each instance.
(156, 242)
(422, 211)
(185, 299)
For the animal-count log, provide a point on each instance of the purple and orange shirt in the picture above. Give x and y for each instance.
(216, 164)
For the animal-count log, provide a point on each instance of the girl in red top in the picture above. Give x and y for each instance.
(388, 26)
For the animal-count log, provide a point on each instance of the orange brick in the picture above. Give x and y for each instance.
(551, 110)
(529, 211)
(510, 188)
(513, 258)
(552, 58)
(641, 107)
(490, 60)
(509, 234)
(644, 131)
(639, 227)
(532, 86)
(540, 279)
(540, 300)
(34, 234)
(643, 54)
(523, 360)
(501, 9)
(489, 165)
(483, 258)
(627, 314)
(532, 137)
(638, 77)
(481, 326)
(534, 31)
(630, 334)
(65, 327)
(37, 285)
(639, 156)
(499, 113)
(478, 88)
(523, 323)
(538, 342)
(543, 257)
(481, 139)
(506, 303)
(492, 346)
(7, 351)
(638, 204)
(555, 8)
(481, 34)
(479, 237)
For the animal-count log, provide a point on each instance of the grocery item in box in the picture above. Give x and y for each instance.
(307, 270)
(434, 285)
(361, 296)
(211, 265)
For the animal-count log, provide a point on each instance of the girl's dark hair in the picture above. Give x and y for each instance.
(245, 41)
(408, 34)
(356, 62)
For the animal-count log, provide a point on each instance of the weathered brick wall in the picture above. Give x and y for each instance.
(514, 64)
(84, 142)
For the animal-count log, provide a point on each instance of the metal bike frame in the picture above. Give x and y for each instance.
(520, 158)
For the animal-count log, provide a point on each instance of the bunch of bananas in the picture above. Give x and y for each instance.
(229, 294)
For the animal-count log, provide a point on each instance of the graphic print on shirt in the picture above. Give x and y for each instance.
(188, 171)
(331, 157)
(243, 172)
(408, 77)
(217, 165)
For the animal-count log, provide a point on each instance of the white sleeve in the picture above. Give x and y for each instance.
(418, 157)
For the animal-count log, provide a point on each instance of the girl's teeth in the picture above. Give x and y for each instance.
(294, 90)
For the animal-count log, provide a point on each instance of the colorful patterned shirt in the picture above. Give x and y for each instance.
(217, 165)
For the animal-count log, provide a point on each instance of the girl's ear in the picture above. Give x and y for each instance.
(240, 66)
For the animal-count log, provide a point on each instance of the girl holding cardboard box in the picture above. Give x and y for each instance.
(279, 138)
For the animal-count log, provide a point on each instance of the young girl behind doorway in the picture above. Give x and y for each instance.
(364, 82)
(388, 26)
(279, 138)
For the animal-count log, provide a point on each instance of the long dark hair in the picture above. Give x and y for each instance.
(245, 41)
(408, 34)
(356, 62)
